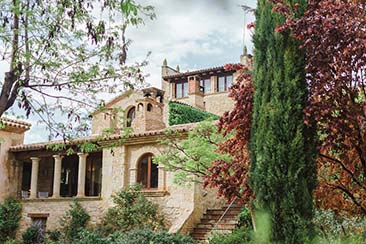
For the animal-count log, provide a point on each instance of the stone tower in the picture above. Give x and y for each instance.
(149, 111)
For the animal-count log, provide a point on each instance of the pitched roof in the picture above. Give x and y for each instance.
(196, 72)
(99, 138)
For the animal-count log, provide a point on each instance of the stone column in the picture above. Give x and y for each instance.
(57, 176)
(161, 175)
(34, 177)
(133, 176)
(213, 84)
(81, 178)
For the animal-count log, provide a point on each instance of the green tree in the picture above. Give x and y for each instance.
(63, 54)
(283, 174)
(191, 156)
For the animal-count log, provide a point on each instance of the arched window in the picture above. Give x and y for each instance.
(149, 107)
(147, 173)
(131, 116)
(140, 107)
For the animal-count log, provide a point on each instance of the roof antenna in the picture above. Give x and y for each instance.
(246, 10)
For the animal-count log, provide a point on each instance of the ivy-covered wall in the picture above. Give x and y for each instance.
(180, 113)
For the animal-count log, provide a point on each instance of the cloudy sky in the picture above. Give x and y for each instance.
(193, 34)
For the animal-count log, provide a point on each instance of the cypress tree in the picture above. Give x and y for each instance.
(282, 154)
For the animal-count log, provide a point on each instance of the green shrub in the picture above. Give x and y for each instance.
(180, 113)
(132, 211)
(54, 235)
(91, 237)
(140, 236)
(245, 218)
(239, 236)
(10, 215)
(12, 242)
(30, 235)
(74, 221)
(332, 227)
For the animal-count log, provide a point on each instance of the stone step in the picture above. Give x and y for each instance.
(233, 207)
(222, 221)
(221, 212)
(217, 226)
(199, 236)
(201, 230)
(210, 221)
(218, 216)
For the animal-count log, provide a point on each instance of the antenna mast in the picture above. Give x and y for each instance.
(246, 10)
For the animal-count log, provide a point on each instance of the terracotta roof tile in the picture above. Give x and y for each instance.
(94, 138)
(15, 123)
(195, 72)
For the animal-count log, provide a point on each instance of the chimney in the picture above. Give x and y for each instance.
(246, 59)
(195, 95)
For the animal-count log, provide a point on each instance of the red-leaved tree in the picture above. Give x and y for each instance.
(231, 178)
(333, 34)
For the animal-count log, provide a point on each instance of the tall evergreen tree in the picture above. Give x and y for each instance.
(282, 171)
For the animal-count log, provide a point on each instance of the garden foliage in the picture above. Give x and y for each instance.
(10, 214)
(30, 236)
(180, 113)
(131, 211)
(74, 221)
(190, 158)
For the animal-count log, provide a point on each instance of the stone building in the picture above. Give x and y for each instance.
(47, 180)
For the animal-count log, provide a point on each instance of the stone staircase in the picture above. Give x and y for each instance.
(211, 219)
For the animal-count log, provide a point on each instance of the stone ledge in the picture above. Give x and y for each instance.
(61, 199)
(155, 193)
(38, 215)
(217, 93)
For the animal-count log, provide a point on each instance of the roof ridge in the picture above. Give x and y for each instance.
(91, 138)
(21, 122)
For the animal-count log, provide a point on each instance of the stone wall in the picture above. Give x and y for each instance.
(182, 205)
(9, 169)
(56, 208)
(109, 118)
(218, 103)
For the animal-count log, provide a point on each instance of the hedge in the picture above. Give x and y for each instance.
(180, 113)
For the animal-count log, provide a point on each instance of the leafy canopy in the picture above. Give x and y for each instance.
(334, 38)
(191, 157)
(64, 55)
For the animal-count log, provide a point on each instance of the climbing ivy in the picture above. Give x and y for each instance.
(180, 113)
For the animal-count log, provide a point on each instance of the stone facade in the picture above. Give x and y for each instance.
(11, 133)
(63, 178)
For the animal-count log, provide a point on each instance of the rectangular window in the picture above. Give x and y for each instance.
(185, 89)
(205, 85)
(221, 84)
(178, 90)
(224, 82)
(181, 89)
